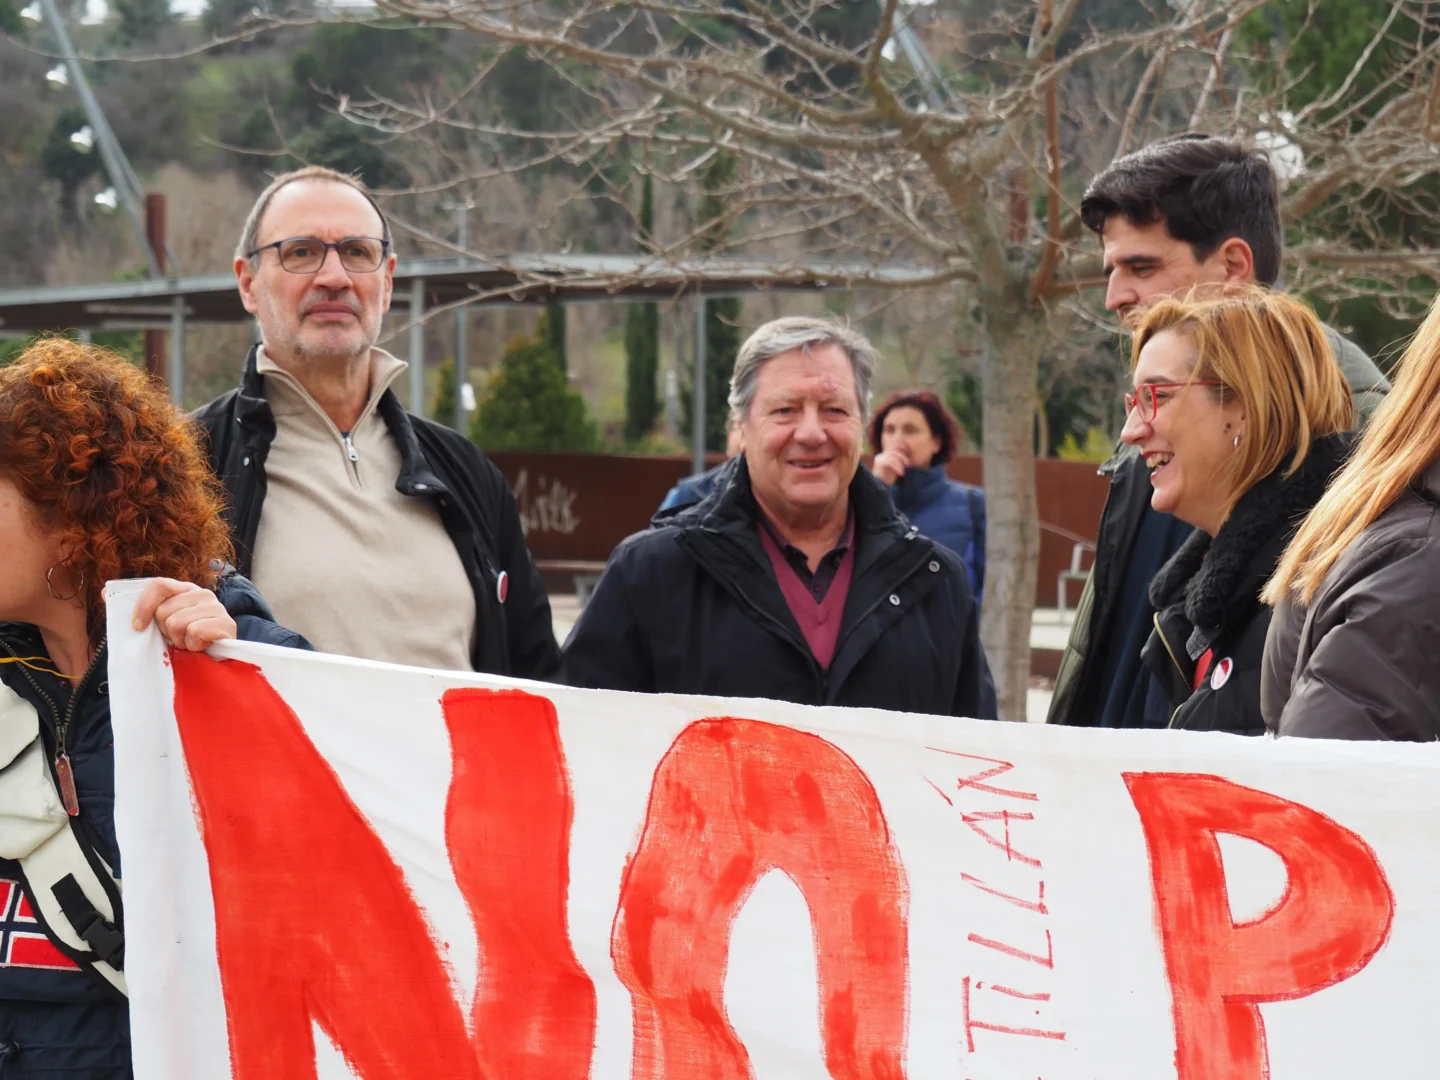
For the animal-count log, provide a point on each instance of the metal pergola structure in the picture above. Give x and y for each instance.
(425, 286)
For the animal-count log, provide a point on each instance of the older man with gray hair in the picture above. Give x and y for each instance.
(796, 579)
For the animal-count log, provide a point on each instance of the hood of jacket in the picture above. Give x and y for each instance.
(1210, 576)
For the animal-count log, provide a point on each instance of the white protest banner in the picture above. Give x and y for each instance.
(338, 868)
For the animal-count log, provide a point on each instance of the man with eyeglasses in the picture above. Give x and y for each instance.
(1188, 211)
(373, 532)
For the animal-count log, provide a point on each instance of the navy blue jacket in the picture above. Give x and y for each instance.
(55, 1020)
(691, 489)
(948, 512)
(693, 607)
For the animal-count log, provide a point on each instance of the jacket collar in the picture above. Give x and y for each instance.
(917, 483)
(1427, 484)
(731, 506)
(252, 410)
(253, 414)
(1210, 575)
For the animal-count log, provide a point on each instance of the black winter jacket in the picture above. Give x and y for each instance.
(58, 1021)
(514, 636)
(692, 607)
(1207, 597)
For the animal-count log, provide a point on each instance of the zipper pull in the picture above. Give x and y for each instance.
(350, 448)
(67, 784)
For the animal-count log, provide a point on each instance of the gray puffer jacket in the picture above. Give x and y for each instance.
(1362, 661)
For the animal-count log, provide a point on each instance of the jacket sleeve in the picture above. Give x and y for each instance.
(977, 541)
(254, 621)
(975, 689)
(1372, 672)
(529, 629)
(607, 649)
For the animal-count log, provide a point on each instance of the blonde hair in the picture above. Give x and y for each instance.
(1270, 353)
(1400, 443)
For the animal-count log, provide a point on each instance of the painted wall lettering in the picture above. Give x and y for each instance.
(1334, 916)
(549, 508)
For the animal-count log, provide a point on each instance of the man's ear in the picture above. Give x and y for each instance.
(1237, 260)
(387, 288)
(245, 281)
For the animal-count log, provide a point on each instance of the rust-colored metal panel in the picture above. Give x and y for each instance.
(579, 506)
(1070, 496)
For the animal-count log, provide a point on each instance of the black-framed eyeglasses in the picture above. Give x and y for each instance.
(306, 254)
(1145, 400)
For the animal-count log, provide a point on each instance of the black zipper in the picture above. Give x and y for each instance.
(1183, 677)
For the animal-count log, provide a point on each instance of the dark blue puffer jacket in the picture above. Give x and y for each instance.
(948, 512)
(55, 1020)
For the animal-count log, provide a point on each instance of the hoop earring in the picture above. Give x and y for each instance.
(50, 585)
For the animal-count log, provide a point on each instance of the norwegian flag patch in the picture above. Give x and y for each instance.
(22, 943)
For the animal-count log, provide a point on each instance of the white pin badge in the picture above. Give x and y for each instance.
(1221, 675)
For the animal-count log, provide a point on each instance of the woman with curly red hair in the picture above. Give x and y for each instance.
(100, 478)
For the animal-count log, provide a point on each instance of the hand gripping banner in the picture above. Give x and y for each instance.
(336, 868)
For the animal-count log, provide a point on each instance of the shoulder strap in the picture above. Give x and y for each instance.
(75, 896)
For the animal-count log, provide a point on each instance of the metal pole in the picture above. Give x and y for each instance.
(417, 346)
(116, 166)
(462, 358)
(697, 422)
(177, 351)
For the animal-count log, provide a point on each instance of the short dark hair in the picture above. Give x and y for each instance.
(941, 420)
(1205, 189)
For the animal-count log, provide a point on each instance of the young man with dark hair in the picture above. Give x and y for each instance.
(1185, 211)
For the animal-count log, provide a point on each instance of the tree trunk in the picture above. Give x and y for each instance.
(1015, 334)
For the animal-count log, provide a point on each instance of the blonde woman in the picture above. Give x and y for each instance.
(1354, 647)
(1240, 412)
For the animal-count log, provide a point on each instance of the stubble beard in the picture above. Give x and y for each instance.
(302, 351)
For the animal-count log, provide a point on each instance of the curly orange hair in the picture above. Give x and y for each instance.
(111, 467)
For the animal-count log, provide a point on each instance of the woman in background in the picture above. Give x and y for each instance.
(914, 436)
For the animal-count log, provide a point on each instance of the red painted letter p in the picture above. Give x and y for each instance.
(1333, 918)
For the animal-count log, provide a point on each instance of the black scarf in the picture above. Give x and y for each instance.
(1214, 575)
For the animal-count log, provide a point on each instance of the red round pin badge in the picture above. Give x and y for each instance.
(502, 586)
(1221, 675)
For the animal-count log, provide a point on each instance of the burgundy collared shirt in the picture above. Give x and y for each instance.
(816, 600)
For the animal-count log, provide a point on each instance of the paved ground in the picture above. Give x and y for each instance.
(1049, 630)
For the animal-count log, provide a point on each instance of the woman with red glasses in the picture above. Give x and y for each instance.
(1241, 413)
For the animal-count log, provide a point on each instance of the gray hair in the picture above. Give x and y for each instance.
(249, 235)
(799, 332)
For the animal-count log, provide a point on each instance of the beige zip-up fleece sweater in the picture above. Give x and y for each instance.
(343, 557)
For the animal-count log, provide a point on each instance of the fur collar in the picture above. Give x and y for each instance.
(1207, 574)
